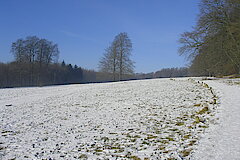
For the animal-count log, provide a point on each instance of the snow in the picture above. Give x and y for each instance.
(151, 119)
(222, 141)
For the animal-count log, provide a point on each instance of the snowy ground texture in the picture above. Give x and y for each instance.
(181, 118)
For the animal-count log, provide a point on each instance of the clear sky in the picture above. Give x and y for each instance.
(84, 28)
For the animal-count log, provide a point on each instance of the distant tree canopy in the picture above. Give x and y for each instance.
(33, 49)
(213, 47)
(116, 59)
(36, 65)
(171, 72)
(165, 73)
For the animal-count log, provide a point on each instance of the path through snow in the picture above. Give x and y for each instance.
(222, 142)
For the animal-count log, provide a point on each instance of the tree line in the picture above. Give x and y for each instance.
(213, 46)
(17, 74)
(165, 73)
(36, 64)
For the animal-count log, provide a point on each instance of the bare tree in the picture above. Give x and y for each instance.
(124, 45)
(18, 50)
(190, 42)
(116, 59)
(109, 62)
(215, 39)
(34, 49)
(34, 53)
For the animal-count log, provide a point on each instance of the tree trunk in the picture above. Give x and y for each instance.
(121, 63)
(114, 67)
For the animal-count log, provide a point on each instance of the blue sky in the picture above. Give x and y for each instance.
(84, 28)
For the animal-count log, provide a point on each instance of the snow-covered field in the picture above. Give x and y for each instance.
(146, 119)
